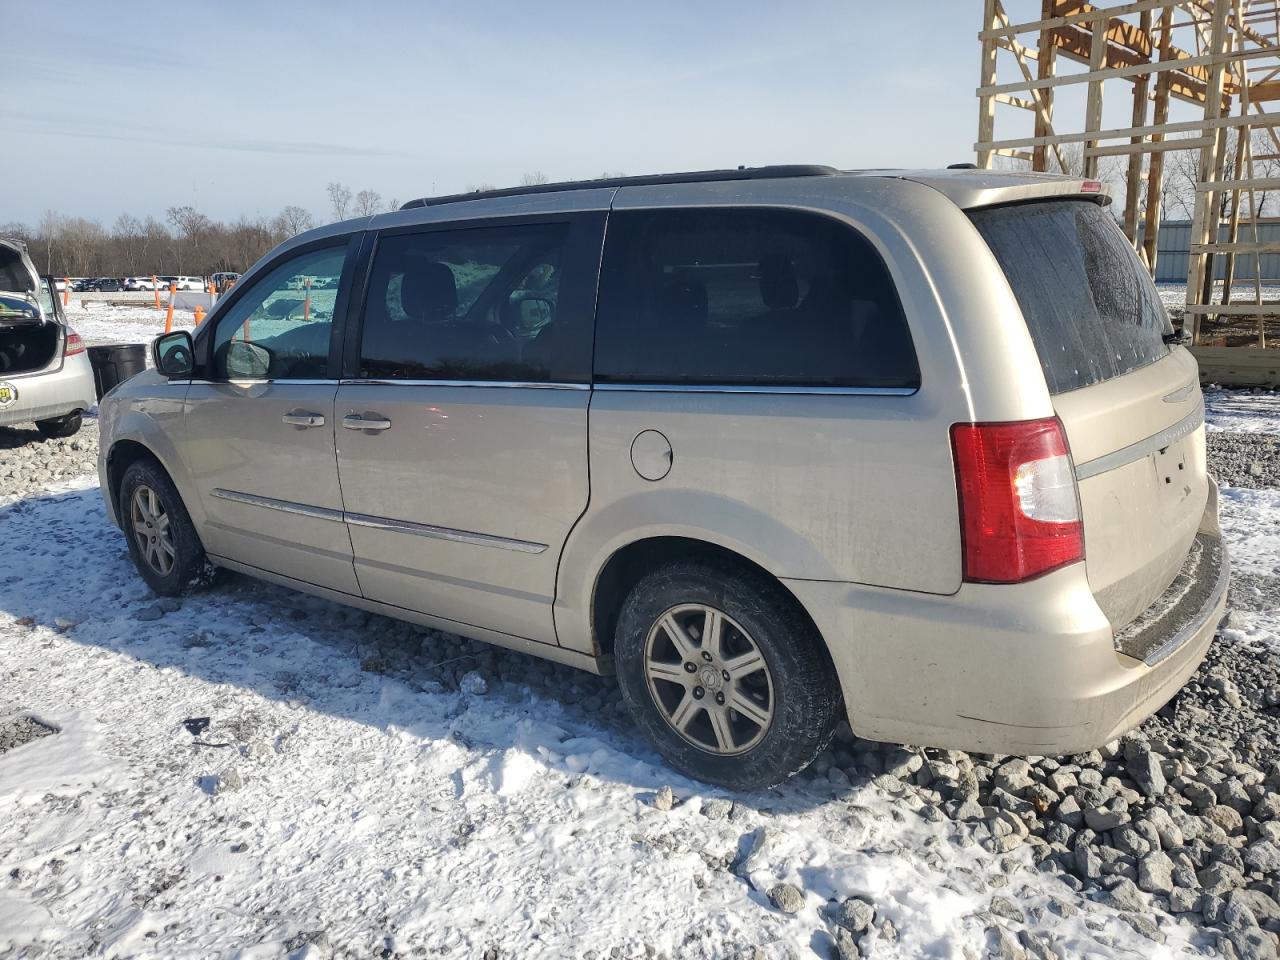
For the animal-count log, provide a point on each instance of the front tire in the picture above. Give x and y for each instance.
(162, 539)
(725, 673)
(56, 427)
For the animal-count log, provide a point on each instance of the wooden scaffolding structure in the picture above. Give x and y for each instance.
(1215, 61)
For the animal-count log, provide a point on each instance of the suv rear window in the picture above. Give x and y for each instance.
(725, 296)
(1090, 305)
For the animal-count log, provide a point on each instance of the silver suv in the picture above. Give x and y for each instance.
(777, 446)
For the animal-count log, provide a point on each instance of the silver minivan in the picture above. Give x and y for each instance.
(777, 446)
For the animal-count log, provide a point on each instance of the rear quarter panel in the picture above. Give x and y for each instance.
(814, 487)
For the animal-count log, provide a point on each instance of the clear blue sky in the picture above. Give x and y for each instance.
(242, 108)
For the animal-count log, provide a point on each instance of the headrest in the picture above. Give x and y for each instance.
(779, 288)
(428, 291)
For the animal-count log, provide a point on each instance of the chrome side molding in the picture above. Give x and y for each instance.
(383, 523)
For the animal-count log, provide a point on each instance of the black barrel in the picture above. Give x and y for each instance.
(115, 363)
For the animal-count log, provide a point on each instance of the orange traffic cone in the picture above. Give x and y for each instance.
(199, 314)
(66, 291)
(155, 286)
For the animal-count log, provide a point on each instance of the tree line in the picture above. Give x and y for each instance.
(186, 241)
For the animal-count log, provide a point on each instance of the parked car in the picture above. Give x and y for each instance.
(107, 285)
(182, 283)
(45, 376)
(138, 283)
(83, 285)
(783, 446)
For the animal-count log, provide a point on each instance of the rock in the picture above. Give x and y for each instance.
(1183, 901)
(846, 945)
(1262, 856)
(1145, 926)
(169, 604)
(228, 781)
(1004, 907)
(1126, 896)
(1201, 797)
(664, 799)
(1100, 819)
(1155, 873)
(149, 613)
(1006, 946)
(787, 898)
(1087, 865)
(1143, 767)
(1128, 839)
(902, 763)
(1225, 817)
(473, 684)
(1069, 812)
(1219, 878)
(717, 808)
(854, 915)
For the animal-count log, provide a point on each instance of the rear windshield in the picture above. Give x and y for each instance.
(1091, 307)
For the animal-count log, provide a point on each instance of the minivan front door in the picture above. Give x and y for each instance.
(260, 432)
(462, 428)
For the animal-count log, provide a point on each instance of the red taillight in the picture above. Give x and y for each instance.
(1091, 186)
(1019, 512)
(74, 344)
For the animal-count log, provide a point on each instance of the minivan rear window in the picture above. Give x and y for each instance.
(1089, 304)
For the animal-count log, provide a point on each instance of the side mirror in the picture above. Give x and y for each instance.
(174, 354)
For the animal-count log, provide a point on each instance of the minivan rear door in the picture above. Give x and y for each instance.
(1130, 402)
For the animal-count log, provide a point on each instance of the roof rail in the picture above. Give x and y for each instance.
(699, 176)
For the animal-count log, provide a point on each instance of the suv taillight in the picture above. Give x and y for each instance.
(1019, 510)
(74, 344)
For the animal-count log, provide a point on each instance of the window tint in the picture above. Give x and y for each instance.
(471, 304)
(280, 328)
(1089, 304)
(760, 297)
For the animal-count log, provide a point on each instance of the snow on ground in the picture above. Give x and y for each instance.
(343, 799)
(1242, 411)
(97, 321)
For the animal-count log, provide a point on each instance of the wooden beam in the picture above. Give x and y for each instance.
(986, 102)
(1214, 61)
(1183, 126)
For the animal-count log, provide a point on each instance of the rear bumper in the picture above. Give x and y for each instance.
(42, 396)
(1028, 669)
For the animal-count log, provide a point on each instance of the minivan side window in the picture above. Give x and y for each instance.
(472, 303)
(750, 297)
(279, 329)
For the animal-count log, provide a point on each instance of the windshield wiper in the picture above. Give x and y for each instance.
(1176, 338)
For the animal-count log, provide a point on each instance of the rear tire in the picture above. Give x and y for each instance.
(57, 427)
(162, 539)
(749, 646)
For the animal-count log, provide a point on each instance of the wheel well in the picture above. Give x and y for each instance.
(123, 455)
(626, 567)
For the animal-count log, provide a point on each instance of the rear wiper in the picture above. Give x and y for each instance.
(1176, 338)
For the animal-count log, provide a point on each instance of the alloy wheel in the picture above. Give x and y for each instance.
(151, 529)
(708, 679)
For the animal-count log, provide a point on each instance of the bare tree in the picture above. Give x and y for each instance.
(293, 220)
(480, 187)
(130, 242)
(534, 178)
(393, 205)
(339, 198)
(606, 175)
(367, 203)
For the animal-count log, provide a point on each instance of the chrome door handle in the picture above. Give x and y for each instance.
(354, 421)
(301, 418)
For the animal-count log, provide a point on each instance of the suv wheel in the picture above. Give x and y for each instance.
(60, 426)
(725, 674)
(162, 539)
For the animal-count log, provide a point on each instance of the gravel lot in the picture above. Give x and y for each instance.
(1186, 808)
